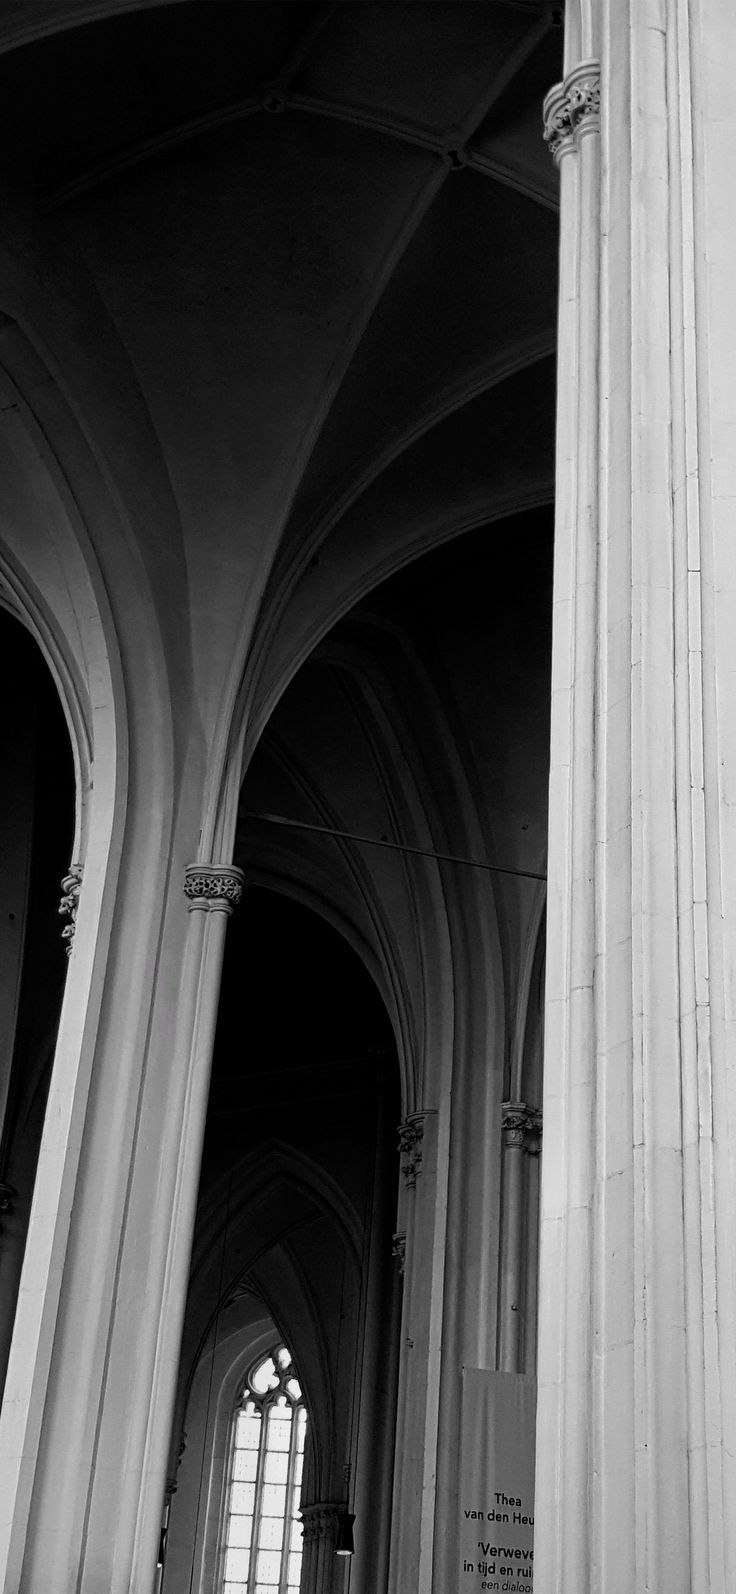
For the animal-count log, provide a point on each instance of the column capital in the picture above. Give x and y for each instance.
(573, 108)
(320, 1520)
(398, 1250)
(171, 1481)
(521, 1126)
(71, 886)
(411, 1134)
(213, 887)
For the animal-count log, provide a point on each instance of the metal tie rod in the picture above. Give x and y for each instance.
(393, 846)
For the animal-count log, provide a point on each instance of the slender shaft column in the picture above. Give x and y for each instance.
(421, 1212)
(637, 1423)
(377, 1366)
(531, 1250)
(520, 1126)
(512, 1231)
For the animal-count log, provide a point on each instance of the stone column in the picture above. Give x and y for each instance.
(97, 1487)
(212, 892)
(636, 1433)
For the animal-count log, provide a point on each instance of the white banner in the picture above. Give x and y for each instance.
(496, 1538)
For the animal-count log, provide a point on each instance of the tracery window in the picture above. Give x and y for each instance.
(262, 1543)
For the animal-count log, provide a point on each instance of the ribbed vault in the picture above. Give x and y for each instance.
(321, 239)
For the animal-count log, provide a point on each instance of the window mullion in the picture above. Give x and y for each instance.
(258, 1495)
(223, 1539)
(290, 1471)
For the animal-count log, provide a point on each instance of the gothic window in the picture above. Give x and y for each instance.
(262, 1543)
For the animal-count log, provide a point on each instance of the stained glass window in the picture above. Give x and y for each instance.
(263, 1534)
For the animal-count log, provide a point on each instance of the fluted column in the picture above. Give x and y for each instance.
(637, 1421)
(572, 128)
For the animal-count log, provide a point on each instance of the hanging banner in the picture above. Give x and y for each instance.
(496, 1537)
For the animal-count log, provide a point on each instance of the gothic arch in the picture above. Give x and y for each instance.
(197, 1494)
(259, 1217)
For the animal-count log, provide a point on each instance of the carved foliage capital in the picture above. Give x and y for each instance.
(171, 1483)
(573, 108)
(71, 886)
(320, 1520)
(411, 1134)
(213, 887)
(522, 1126)
(398, 1249)
(7, 1201)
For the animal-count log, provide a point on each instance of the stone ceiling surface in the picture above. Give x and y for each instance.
(319, 244)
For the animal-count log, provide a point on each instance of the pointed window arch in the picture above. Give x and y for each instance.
(262, 1539)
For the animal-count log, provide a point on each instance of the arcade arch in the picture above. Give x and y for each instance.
(400, 727)
(296, 1211)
